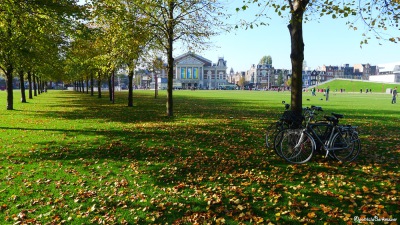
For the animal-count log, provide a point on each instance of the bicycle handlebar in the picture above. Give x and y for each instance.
(339, 116)
(316, 108)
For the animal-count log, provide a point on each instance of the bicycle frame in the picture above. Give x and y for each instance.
(327, 141)
(298, 144)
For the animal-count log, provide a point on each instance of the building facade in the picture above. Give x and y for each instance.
(194, 71)
(363, 71)
(389, 72)
(238, 78)
(261, 76)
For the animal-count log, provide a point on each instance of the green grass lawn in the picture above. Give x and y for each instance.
(356, 85)
(71, 158)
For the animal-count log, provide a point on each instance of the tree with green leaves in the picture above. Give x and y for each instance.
(266, 60)
(80, 59)
(127, 32)
(241, 82)
(10, 36)
(21, 25)
(280, 78)
(190, 22)
(376, 15)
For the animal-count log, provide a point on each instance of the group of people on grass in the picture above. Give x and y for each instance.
(394, 93)
(366, 90)
(325, 90)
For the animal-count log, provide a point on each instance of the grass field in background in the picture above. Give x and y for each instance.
(72, 158)
(356, 85)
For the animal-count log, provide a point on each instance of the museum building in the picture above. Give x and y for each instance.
(194, 71)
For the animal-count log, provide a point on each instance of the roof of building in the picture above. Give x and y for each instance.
(389, 67)
(221, 62)
(192, 54)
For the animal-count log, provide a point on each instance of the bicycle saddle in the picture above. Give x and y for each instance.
(339, 116)
(318, 108)
(331, 119)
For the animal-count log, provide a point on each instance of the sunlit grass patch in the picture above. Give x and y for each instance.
(71, 158)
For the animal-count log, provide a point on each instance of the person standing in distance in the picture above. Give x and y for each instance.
(327, 93)
(394, 94)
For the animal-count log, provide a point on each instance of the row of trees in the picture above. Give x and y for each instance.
(124, 34)
(61, 40)
(32, 41)
(81, 43)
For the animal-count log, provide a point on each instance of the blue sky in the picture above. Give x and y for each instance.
(327, 42)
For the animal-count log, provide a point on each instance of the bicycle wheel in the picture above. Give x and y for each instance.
(277, 141)
(346, 146)
(271, 135)
(272, 130)
(295, 145)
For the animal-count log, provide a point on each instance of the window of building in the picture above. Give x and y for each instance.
(183, 72)
(195, 73)
(189, 73)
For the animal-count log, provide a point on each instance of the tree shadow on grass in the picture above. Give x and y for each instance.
(211, 159)
(148, 109)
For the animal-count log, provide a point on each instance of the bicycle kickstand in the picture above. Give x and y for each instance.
(327, 153)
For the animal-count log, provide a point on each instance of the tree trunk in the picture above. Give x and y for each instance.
(130, 88)
(34, 86)
(22, 84)
(30, 85)
(155, 85)
(170, 110)
(91, 84)
(297, 58)
(87, 85)
(44, 86)
(113, 86)
(10, 91)
(110, 88)
(39, 85)
(99, 86)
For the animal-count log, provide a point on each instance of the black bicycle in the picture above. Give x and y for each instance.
(340, 142)
(287, 121)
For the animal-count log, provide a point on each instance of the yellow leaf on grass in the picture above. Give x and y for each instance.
(258, 219)
(245, 183)
(311, 215)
